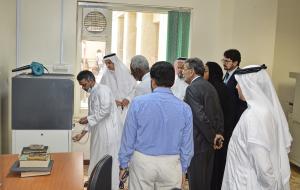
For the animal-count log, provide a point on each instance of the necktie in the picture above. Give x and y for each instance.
(226, 76)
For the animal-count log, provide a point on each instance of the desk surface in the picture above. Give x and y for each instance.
(66, 174)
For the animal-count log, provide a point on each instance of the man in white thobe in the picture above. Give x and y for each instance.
(139, 68)
(103, 124)
(118, 78)
(180, 85)
(257, 157)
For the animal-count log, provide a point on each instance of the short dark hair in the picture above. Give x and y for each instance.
(196, 64)
(86, 74)
(163, 73)
(233, 54)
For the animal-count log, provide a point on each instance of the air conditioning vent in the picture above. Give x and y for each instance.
(95, 22)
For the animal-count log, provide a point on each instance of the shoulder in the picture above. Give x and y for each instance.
(142, 99)
(105, 74)
(260, 110)
(259, 117)
(104, 78)
(144, 83)
(200, 82)
(232, 81)
(201, 85)
(259, 126)
(140, 102)
(102, 89)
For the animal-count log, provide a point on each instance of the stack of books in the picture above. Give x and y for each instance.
(34, 161)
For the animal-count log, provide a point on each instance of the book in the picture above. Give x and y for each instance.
(36, 146)
(35, 149)
(34, 156)
(16, 167)
(31, 174)
(40, 160)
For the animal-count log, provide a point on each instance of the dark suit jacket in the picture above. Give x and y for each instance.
(207, 113)
(239, 105)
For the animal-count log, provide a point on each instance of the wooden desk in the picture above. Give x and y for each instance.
(66, 174)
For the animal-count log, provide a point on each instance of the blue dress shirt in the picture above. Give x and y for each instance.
(158, 124)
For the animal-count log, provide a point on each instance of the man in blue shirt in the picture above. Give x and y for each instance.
(157, 141)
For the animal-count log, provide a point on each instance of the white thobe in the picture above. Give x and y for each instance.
(104, 128)
(251, 162)
(179, 88)
(144, 87)
(120, 90)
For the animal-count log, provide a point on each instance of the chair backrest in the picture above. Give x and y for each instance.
(100, 178)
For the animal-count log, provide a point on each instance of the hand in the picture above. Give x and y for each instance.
(78, 137)
(119, 103)
(218, 141)
(83, 120)
(121, 173)
(125, 102)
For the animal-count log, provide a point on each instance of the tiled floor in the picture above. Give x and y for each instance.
(294, 181)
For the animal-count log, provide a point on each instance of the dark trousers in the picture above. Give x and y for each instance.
(201, 170)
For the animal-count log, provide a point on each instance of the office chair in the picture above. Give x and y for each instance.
(100, 178)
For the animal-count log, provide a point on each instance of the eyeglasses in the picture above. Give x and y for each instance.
(226, 60)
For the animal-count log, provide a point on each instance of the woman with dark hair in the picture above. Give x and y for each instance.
(213, 73)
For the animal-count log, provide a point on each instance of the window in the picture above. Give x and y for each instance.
(128, 31)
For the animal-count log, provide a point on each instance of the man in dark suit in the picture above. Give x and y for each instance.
(207, 124)
(231, 62)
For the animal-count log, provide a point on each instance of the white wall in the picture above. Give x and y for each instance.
(47, 32)
(249, 26)
(7, 62)
(287, 50)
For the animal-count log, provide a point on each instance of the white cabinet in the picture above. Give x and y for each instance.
(56, 140)
(295, 149)
(294, 123)
(84, 144)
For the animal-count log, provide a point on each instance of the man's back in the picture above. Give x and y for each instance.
(158, 124)
(161, 118)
